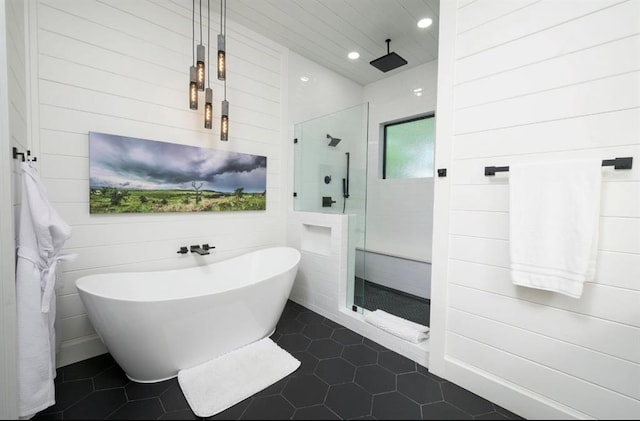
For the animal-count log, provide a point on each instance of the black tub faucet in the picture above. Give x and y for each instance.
(197, 249)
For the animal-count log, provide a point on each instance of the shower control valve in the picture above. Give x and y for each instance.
(327, 201)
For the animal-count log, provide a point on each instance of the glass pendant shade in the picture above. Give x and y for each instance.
(224, 121)
(200, 64)
(208, 108)
(222, 64)
(193, 88)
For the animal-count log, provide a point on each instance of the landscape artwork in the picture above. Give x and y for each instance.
(131, 175)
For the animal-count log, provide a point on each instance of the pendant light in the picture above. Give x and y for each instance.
(193, 73)
(221, 43)
(208, 93)
(224, 109)
(224, 121)
(200, 56)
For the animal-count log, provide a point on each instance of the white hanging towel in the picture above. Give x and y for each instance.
(41, 236)
(554, 217)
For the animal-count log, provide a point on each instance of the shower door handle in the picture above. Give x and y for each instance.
(345, 181)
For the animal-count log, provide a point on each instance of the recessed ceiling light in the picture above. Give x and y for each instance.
(304, 79)
(417, 91)
(354, 55)
(425, 23)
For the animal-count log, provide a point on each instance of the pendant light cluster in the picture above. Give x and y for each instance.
(198, 69)
(222, 71)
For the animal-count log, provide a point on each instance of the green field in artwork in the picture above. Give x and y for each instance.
(113, 200)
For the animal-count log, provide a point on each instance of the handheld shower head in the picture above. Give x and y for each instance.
(334, 140)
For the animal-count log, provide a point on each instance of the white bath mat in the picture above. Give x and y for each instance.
(219, 384)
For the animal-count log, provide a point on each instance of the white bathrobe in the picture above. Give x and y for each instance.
(41, 236)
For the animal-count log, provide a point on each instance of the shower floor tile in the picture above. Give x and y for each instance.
(342, 376)
(372, 296)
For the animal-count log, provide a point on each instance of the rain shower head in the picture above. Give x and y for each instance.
(389, 61)
(334, 140)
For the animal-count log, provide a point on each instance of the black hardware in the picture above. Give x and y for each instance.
(442, 172)
(295, 140)
(354, 307)
(183, 250)
(22, 154)
(494, 170)
(295, 194)
(207, 247)
(327, 179)
(345, 181)
(197, 249)
(327, 201)
(617, 163)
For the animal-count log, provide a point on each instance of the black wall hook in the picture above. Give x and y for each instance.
(22, 155)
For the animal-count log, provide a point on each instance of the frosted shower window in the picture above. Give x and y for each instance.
(408, 148)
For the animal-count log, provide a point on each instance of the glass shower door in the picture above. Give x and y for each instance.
(330, 165)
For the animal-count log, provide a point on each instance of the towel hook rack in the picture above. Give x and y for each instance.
(625, 163)
(22, 155)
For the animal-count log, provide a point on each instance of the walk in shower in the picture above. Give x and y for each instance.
(336, 171)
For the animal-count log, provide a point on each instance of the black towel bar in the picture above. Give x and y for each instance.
(618, 163)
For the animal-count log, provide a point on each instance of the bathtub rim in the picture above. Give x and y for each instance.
(88, 278)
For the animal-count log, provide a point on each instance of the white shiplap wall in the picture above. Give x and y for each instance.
(17, 89)
(121, 67)
(542, 81)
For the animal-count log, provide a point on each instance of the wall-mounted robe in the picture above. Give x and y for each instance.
(41, 237)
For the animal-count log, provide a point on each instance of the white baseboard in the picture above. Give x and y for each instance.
(79, 350)
(508, 395)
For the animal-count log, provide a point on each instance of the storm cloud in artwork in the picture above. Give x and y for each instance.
(132, 163)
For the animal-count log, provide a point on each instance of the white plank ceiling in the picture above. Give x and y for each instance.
(325, 31)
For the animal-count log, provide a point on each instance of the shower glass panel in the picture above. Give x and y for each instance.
(330, 174)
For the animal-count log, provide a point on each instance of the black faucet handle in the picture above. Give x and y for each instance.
(207, 247)
(197, 249)
(183, 250)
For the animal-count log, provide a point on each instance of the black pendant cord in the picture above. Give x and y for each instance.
(208, 44)
(200, 22)
(224, 33)
(193, 32)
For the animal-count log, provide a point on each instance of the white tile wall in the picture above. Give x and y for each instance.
(399, 212)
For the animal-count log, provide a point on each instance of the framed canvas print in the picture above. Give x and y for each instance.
(132, 175)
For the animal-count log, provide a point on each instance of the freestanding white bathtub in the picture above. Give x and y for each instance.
(157, 323)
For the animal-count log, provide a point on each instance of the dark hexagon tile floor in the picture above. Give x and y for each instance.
(342, 376)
